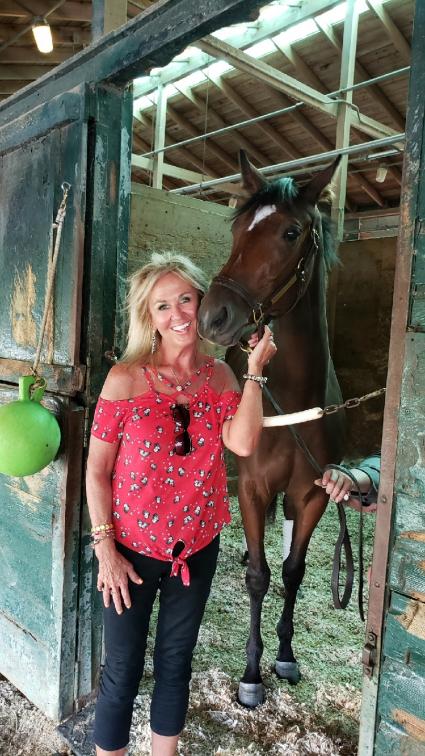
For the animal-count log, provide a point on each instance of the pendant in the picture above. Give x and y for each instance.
(179, 388)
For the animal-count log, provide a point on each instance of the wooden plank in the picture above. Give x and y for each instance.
(405, 632)
(44, 164)
(413, 172)
(60, 379)
(38, 569)
(402, 701)
(40, 120)
(152, 38)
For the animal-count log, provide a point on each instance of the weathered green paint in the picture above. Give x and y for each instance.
(39, 552)
(70, 125)
(109, 143)
(398, 724)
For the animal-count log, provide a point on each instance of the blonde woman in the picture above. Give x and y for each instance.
(157, 495)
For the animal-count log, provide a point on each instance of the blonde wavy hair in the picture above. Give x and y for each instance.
(139, 340)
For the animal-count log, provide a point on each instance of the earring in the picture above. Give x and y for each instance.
(154, 342)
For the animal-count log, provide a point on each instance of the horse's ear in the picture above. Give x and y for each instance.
(252, 179)
(312, 191)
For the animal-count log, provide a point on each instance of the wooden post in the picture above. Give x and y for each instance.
(107, 16)
(159, 141)
(392, 715)
(343, 125)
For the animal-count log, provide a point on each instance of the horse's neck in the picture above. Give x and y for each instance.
(301, 338)
(305, 327)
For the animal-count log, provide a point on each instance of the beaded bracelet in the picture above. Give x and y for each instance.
(100, 538)
(102, 528)
(261, 379)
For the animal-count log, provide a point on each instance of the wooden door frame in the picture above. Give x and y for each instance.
(400, 329)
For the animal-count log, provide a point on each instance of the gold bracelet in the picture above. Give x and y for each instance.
(102, 528)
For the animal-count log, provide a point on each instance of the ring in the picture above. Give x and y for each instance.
(346, 497)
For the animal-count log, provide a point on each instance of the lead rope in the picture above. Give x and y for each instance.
(336, 565)
(58, 224)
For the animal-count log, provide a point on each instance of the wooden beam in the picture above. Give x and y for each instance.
(303, 71)
(8, 87)
(152, 38)
(284, 144)
(269, 75)
(61, 35)
(373, 91)
(71, 11)
(183, 152)
(25, 56)
(211, 146)
(15, 72)
(220, 123)
(189, 177)
(293, 14)
(287, 84)
(394, 33)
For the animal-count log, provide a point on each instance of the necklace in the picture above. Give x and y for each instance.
(179, 385)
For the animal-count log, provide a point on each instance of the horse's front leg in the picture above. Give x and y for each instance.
(306, 514)
(253, 510)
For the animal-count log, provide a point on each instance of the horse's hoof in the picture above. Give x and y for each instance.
(289, 671)
(251, 694)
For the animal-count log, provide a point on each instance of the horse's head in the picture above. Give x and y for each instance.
(276, 238)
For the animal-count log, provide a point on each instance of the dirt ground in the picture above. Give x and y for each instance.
(318, 716)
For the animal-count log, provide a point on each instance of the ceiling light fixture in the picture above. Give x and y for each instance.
(43, 36)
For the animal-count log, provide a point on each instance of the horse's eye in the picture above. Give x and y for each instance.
(291, 234)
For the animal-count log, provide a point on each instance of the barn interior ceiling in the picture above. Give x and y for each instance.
(289, 87)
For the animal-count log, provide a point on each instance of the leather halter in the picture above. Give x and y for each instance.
(261, 312)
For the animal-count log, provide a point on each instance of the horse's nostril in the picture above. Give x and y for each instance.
(220, 319)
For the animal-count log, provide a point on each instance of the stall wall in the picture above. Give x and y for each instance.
(200, 229)
(362, 332)
(161, 221)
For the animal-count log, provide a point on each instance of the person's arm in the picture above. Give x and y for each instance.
(339, 486)
(114, 569)
(242, 433)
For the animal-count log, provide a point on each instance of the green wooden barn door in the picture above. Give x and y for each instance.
(46, 595)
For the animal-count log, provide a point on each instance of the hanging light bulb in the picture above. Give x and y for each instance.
(43, 36)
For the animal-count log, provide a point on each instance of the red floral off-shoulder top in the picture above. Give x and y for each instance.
(159, 497)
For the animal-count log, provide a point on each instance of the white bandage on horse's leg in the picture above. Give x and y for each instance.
(288, 526)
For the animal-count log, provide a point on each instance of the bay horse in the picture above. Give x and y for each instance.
(276, 273)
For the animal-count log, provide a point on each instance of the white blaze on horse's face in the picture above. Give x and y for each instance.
(261, 213)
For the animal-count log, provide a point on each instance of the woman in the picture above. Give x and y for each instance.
(157, 496)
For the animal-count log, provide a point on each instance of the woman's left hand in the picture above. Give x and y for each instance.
(262, 350)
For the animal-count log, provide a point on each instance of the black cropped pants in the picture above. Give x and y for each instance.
(181, 610)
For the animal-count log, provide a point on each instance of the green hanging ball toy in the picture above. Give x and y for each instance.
(29, 433)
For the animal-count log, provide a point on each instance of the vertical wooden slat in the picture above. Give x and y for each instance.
(398, 434)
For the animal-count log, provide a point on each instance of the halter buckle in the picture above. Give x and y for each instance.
(258, 315)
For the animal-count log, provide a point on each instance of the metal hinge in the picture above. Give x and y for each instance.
(369, 654)
(86, 433)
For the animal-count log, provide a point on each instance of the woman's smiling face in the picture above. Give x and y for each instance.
(173, 307)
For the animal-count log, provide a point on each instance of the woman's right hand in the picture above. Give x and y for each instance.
(114, 572)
